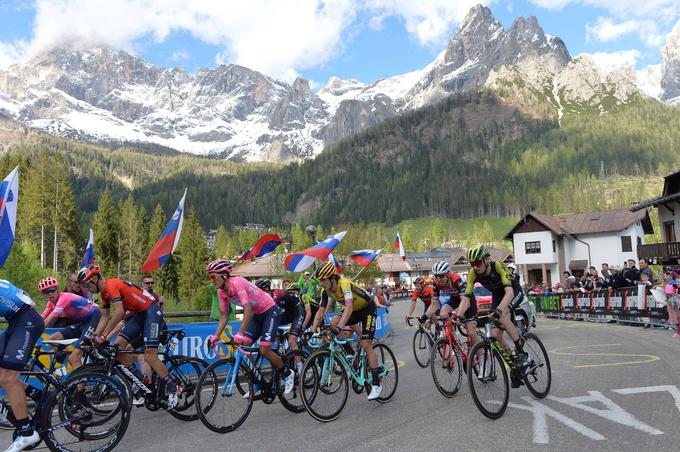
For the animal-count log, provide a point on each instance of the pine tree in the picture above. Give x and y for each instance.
(106, 232)
(133, 239)
(193, 256)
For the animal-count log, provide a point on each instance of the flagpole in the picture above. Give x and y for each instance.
(355, 276)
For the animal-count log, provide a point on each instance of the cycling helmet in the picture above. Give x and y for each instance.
(220, 266)
(419, 281)
(325, 271)
(87, 273)
(264, 284)
(477, 253)
(293, 287)
(47, 283)
(441, 268)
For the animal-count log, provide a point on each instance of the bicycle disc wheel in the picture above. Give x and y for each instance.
(88, 413)
(490, 387)
(446, 367)
(293, 401)
(185, 372)
(389, 371)
(537, 376)
(422, 344)
(326, 399)
(224, 395)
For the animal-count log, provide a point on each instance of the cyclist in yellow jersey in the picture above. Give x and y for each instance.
(505, 292)
(358, 308)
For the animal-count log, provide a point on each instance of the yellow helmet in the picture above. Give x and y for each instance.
(325, 271)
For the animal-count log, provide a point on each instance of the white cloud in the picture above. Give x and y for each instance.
(11, 52)
(429, 21)
(660, 9)
(607, 61)
(605, 30)
(179, 56)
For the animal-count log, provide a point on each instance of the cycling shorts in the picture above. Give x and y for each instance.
(18, 340)
(295, 318)
(83, 330)
(497, 297)
(263, 326)
(470, 312)
(146, 324)
(367, 319)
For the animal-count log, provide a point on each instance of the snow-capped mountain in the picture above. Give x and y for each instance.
(670, 67)
(109, 95)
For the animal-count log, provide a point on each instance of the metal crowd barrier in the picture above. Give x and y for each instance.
(630, 305)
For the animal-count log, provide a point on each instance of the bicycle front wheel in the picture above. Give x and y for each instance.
(185, 372)
(224, 395)
(88, 413)
(422, 343)
(537, 376)
(489, 384)
(293, 401)
(389, 371)
(446, 367)
(326, 398)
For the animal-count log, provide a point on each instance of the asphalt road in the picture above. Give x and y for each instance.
(614, 388)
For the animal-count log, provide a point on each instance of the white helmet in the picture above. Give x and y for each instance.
(512, 267)
(441, 268)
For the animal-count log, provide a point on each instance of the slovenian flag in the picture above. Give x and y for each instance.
(88, 257)
(398, 244)
(168, 240)
(364, 257)
(9, 195)
(298, 262)
(338, 267)
(264, 246)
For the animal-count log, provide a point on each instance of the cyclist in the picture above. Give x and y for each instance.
(423, 293)
(358, 308)
(261, 315)
(145, 319)
(506, 295)
(293, 312)
(75, 308)
(447, 289)
(311, 305)
(16, 343)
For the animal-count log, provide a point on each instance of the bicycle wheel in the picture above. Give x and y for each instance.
(326, 399)
(185, 372)
(293, 401)
(389, 371)
(220, 400)
(490, 388)
(100, 368)
(537, 376)
(446, 367)
(74, 420)
(422, 343)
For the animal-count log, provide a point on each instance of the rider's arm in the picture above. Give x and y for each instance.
(412, 307)
(50, 319)
(507, 298)
(222, 323)
(247, 317)
(321, 312)
(308, 315)
(118, 314)
(463, 305)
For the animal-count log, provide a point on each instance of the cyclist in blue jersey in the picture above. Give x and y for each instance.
(16, 344)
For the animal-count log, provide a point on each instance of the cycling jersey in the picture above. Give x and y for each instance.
(496, 281)
(347, 292)
(425, 295)
(133, 297)
(72, 306)
(12, 299)
(293, 310)
(450, 292)
(242, 292)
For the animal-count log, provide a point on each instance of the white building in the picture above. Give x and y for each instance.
(545, 246)
(668, 205)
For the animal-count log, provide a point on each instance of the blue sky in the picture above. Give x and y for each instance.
(362, 39)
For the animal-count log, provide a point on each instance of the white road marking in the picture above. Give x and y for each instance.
(672, 390)
(613, 412)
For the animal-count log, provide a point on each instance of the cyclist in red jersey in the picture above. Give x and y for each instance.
(423, 293)
(146, 320)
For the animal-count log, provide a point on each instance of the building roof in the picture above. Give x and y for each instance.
(589, 223)
(388, 263)
(671, 192)
(268, 266)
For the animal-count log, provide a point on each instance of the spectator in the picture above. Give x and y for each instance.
(645, 270)
(605, 271)
(526, 289)
(671, 292)
(557, 288)
(616, 279)
(537, 289)
(147, 284)
(546, 288)
(72, 286)
(644, 280)
(631, 275)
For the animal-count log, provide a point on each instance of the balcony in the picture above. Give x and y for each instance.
(660, 251)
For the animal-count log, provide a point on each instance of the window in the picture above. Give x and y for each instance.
(626, 244)
(554, 247)
(669, 231)
(532, 247)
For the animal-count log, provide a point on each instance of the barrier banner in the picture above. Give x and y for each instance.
(546, 303)
(616, 301)
(583, 302)
(599, 302)
(568, 302)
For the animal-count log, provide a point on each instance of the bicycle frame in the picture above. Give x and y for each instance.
(496, 344)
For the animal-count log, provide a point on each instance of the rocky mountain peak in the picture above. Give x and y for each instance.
(670, 67)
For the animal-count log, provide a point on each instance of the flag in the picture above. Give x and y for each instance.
(297, 262)
(338, 267)
(264, 246)
(88, 258)
(364, 257)
(398, 244)
(9, 195)
(168, 240)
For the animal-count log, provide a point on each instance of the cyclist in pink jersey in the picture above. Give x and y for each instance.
(261, 315)
(74, 308)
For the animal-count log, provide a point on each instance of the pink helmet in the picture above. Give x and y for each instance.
(47, 283)
(219, 266)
